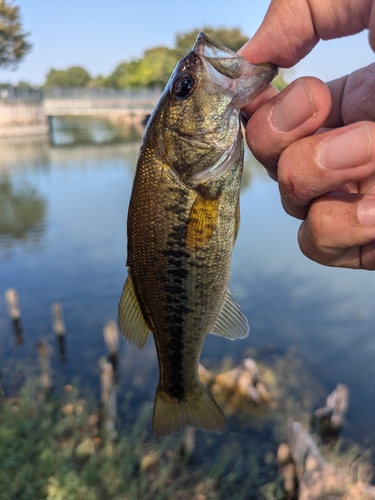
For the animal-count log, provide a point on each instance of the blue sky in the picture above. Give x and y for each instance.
(99, 34)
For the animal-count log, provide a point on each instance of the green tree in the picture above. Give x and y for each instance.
(232, 38)
(156, 65)
(22, 84)
(117, 76)
(13, 43)
(74, 76)
(97, 82)
(152, 70)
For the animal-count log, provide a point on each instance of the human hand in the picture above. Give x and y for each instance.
(326, 179)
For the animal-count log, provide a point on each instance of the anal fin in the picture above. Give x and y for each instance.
(130, 318)
(231, 322)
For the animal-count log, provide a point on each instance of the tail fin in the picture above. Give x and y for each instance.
(198, 409)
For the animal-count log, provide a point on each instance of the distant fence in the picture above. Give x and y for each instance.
(26, 111)
(12, 93)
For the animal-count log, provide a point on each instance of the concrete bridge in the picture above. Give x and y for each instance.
(27, 112)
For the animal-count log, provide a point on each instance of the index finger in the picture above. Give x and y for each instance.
(291, 29)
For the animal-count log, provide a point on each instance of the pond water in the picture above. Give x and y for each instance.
(63, 208)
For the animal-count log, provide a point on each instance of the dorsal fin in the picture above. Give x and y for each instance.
(130, 318)
(231, 322)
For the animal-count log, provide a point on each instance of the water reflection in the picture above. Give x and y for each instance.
(22, 214)
(82, 130)
(21, 153)
(18, 331)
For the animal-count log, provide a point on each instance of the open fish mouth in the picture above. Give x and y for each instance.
(232, 72)
(223, 59)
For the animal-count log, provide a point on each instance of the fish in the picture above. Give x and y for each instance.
(183, 221)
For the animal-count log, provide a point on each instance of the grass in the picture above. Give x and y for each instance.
(54, 446)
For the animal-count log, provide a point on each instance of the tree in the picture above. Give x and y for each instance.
(72, 77)
(156, 65)
(22, 84)
(97, 82)
(116, 77)
(13, 43)
(152, 70)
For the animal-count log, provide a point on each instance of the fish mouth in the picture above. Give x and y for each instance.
(242, 80)
(223, 59)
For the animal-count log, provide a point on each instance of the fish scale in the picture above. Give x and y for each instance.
(182, 225)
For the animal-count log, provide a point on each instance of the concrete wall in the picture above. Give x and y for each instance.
(22, 118)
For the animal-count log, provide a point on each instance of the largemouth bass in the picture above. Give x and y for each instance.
(182, 225)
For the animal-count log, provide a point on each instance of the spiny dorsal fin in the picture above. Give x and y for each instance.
(130, 318)
(230, 323)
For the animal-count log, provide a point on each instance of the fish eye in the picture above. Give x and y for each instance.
(183, 85)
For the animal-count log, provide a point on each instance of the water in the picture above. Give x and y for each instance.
(63, 238)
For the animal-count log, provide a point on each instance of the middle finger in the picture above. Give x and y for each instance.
(337, 160)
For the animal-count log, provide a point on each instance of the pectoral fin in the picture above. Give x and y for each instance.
(230, 323)
(130, 318)
(202, 222)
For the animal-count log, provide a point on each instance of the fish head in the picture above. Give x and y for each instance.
(197, 120)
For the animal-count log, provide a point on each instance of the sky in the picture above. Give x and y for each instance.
(98, 34)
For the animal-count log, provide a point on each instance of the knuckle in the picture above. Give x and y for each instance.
(315, 233)
(321, 218)
(291, 185)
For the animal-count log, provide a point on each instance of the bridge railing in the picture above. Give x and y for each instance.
(14, 93)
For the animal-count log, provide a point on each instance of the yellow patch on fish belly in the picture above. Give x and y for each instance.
(202, 223)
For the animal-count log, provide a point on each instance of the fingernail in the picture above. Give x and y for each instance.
(294, 108)
(366, 212)
(349, 149)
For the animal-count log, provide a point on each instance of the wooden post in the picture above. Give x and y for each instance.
(2, 393)
(110, 333)
(188, 445)
(45, 353)
(316, 478)
(11, 297)
(108, 399)
(58, 319)
(58, 326)
(111, 340)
